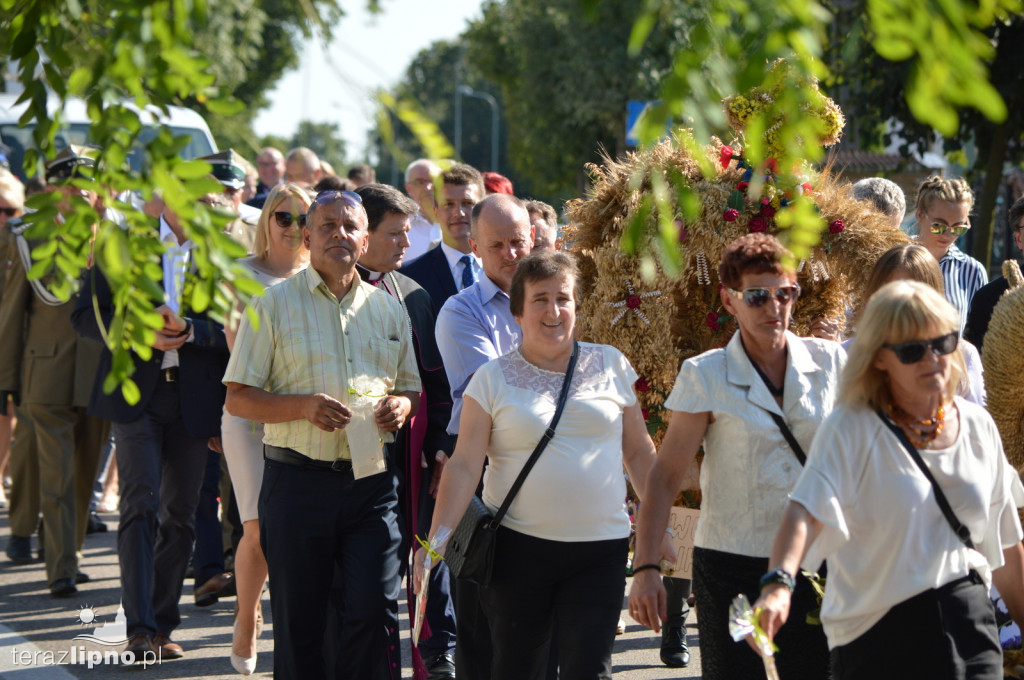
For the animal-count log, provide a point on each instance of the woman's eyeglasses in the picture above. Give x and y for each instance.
(758, 297)
(956, 229)
(285, 219)
(331, 195)
(913, 351)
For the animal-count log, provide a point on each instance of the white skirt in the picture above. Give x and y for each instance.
(243, 448)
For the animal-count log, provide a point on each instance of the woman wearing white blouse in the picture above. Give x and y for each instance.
(728, 400)
(907, 594)
(570, 514)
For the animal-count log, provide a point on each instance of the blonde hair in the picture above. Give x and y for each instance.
(909, 258)
(955, 190)
(900, 311)
(282, 192)
(12, 189)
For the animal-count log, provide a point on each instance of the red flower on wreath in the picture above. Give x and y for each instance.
(731, 215)
(808, 189)
(772, 165)
(742, 186)
(645, 413)
(836, 227)
(767, 211)
(632, 301)
(711, 321)
(642, 385)
(727, 155)
(757, 223)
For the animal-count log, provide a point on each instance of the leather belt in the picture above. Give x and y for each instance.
(296, 459)
(169, 374)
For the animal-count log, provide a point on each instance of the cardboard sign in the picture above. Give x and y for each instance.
(683, 522)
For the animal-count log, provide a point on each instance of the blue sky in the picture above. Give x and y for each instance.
(334, 83)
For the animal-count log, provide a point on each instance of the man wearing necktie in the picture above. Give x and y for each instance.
(451, 265)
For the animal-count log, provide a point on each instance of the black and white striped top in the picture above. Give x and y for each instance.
(962, 276)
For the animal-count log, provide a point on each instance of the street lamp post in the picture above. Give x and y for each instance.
(467, 91)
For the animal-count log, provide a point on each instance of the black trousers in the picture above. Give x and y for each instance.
(543, 591)
(718, 577)
(947, 633)
(319, 527)
(160, 469)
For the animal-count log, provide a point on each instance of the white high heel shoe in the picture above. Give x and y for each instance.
(244, 665)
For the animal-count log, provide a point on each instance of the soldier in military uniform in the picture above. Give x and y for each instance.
(49, 370)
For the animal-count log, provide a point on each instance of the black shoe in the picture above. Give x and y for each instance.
(82, 577)
(95, 525)
(19, 549)
(63, 587)
(674, 653)
(440, 667)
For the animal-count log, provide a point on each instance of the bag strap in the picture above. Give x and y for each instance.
(961, 531)
(779, 420)
(548, 434)
(790, 439)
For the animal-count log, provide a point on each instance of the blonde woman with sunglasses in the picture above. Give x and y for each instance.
(279, 254)
(744, 404)
(909, 496)
(943, 216)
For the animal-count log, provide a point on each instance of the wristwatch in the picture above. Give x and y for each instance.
(780, 576)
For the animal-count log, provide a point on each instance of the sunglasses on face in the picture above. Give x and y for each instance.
(330, 196)
(10, 212)
(913, 351)
(285, 219)
(956, 229)
(758, 297)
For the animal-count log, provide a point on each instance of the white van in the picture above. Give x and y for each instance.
(181, 121)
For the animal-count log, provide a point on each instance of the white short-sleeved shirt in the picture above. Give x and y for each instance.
(576, 491)
(749, 469)
(884, 534)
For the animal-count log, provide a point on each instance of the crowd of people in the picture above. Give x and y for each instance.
(411, 351)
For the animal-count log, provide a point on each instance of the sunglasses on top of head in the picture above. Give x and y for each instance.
(913, 351)
(285, 219)
(758, 297)
(331, 195)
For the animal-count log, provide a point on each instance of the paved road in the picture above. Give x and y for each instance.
(36, 627)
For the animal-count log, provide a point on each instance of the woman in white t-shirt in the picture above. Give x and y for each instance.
(907, 595)
(559, 566)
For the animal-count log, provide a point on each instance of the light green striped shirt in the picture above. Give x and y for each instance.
(309, 342)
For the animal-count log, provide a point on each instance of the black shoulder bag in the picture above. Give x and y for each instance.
(961, 531)
(470, 551)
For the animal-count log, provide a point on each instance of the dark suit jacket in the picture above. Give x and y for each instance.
(980, 311)
(430, 270)
(418, 306)
(201, 367)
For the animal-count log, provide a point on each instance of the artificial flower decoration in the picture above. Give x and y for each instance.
(632, 303)
(711, 321)
(758, 223)
(642, 385)
(727, 155)
(731, 215)
(836, 226)
(742, 186)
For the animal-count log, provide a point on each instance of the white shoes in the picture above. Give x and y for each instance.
(245, 666)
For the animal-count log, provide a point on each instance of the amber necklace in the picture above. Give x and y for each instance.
(921, 433)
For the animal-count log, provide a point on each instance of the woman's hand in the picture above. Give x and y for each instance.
(648, 600)
(419, 569)
(774, 604)
(667, 550)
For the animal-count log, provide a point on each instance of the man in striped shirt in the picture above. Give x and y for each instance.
(331, 371)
